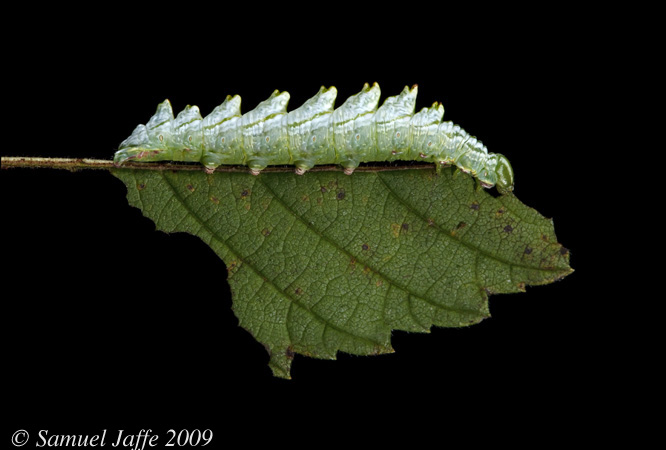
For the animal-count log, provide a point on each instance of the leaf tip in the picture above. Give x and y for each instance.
(280, 362)
(383, 350)
(281, 369)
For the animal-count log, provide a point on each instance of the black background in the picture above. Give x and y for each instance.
(111, 324)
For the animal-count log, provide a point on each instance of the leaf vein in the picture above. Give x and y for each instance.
(257, 271)
(348, 253)
(453, 238)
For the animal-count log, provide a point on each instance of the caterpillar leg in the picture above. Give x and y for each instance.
(349, 166)
(441, 165)
(303, 166)
(480, 185)
(256, 165)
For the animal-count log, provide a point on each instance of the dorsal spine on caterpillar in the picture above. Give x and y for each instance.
(315, 134)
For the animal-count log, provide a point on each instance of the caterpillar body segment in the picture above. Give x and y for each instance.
(222, 139)
(316, 133)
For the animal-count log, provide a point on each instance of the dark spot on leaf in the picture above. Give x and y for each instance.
(265, 231)
(474, 206)
(521, 286)
(323, 189)
(431, 222)
(564, 251)
(365, 246)
(289, 353)
(298, 291)
(214, 200)
(190, 188)
(141, 186)
(459, 227)
(341, 194)
(508, 229)
(528, 250)
(245, 193)
(544, 237)
(377, 350)
(405, 226)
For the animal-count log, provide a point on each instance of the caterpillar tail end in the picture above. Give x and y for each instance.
(121, 157)
(139, 154)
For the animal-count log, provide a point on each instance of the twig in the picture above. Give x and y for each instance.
(9, 162)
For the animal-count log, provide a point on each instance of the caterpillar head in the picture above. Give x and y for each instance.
(496, 172)
(504, 173)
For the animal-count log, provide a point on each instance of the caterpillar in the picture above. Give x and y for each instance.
(315, 134)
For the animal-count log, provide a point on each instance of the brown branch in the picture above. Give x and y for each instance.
(9, 162)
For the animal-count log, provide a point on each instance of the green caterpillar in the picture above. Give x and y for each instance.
(315, 134)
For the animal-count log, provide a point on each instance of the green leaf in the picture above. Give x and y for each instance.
(327, 262)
